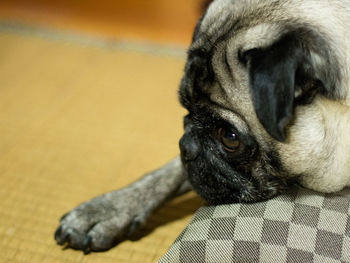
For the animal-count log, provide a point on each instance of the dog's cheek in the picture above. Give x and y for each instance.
(268, 176)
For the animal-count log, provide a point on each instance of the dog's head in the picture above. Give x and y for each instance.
(254, 81)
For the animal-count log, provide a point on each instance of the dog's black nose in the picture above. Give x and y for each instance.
(190, 149)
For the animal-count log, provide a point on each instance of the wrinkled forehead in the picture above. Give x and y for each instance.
(218, 16)
(228, 16)
(217, 20)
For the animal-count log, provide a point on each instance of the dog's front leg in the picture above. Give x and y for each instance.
(99, 223)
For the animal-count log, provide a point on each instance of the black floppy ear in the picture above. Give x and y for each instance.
(272, 73)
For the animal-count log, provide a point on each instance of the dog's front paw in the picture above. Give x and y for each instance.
(98, 224)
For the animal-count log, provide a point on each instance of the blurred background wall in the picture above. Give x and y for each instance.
(155, 20)
(88, 104)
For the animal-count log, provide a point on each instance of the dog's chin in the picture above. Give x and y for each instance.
(220, 182)
(214, 193)
(223, 187)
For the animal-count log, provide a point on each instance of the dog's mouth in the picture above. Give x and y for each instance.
(218, 187)
(212, 178)
(212, 190)
(218, 181)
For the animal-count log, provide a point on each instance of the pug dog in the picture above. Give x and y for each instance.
(267, 89)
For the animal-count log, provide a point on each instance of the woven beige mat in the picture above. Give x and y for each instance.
(77, 120)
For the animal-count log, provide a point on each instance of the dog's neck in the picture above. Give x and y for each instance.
(326, 126)
(336, 172)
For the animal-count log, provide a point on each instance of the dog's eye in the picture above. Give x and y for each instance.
(229, 139)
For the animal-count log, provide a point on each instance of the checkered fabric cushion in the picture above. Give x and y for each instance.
(300, 226)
